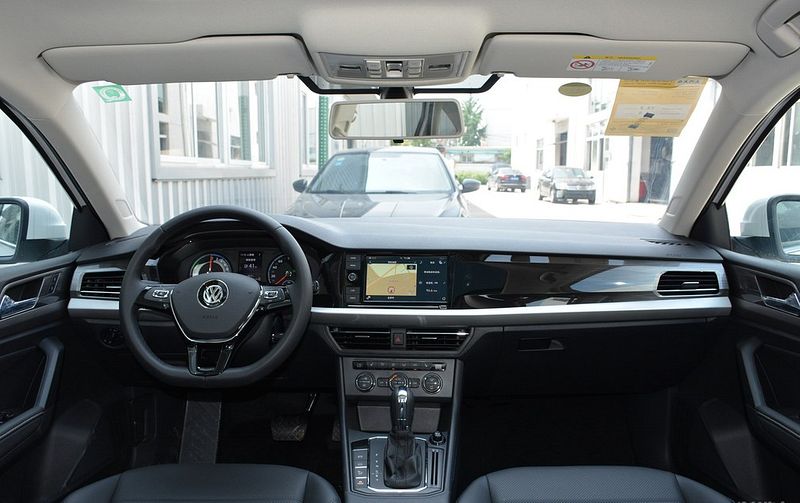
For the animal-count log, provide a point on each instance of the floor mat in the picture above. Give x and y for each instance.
(541, 432)
(246, 435)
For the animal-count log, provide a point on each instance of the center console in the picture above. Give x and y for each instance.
(398, 419)
(399, 401)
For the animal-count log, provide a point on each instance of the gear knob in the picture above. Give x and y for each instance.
(402, 408)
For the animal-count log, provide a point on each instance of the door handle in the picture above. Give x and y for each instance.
(9, 306)
(790, 304)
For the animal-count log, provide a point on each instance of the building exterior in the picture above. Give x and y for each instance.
(179, 146)
(570, 132)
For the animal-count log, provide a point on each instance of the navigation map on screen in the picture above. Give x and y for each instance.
(406, 279)
(392, 279)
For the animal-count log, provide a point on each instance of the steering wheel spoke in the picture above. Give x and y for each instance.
(273, 298)
(154, 295)
(194, 353)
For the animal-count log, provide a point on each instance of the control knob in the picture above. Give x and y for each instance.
(398, 379)
(432, 383)
(365, 381)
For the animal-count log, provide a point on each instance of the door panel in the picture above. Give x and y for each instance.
(33, 300)
(765, 299)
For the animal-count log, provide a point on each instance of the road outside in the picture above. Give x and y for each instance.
(486, 203)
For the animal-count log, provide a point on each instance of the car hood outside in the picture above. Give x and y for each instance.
(311, 205)
(575, 181)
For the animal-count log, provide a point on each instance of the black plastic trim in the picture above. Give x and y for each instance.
(774, 428)
(30, 424)
(313, 87)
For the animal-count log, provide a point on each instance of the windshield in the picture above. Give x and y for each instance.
(382, 173)
(613, 154)
(569, 173)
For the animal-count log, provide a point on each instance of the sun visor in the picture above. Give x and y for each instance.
(208, 59)
(580, 56)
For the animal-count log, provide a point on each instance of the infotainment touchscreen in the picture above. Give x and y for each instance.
(406, 279)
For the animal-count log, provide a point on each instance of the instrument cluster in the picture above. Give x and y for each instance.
(267, 266)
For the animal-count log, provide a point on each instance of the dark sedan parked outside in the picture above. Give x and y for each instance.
(386, 182)
(562, 183)
(507, 178)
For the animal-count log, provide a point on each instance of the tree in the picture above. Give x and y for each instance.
(474, 133)
(419, 142)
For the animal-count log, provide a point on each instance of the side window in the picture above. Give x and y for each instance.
(35, 210)
(764, 204)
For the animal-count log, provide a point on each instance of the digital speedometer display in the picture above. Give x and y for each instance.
(250, 264)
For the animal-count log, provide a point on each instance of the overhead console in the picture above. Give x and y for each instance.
(399, 70)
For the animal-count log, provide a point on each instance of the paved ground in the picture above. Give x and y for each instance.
(484, 203)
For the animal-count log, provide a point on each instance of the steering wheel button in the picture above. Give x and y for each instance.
(160, 293)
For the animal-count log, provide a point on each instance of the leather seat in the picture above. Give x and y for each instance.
(587, 484)
(209, 483)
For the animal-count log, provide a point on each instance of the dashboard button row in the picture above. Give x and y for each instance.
(388, 365)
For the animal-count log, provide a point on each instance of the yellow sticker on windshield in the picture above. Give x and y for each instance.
(654, 108)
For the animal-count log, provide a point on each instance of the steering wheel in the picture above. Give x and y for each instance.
(212, 310)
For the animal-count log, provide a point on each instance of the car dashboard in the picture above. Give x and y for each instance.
(474, 308)
(471, 273)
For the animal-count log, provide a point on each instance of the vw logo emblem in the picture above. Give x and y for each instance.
(212, 294)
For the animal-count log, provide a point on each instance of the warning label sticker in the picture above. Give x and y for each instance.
(654, 108)
(605, 63)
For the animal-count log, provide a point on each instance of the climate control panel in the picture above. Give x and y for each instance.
(376, 378)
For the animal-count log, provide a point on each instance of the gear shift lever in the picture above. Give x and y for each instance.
(404, 459)
(402, 409)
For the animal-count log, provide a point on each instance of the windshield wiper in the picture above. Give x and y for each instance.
(391, 192)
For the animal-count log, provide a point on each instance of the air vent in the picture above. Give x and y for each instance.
(362, 338)
(673, 283)
(668, 242)
(102, 285)
(448, 339)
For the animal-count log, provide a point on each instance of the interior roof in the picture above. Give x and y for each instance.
(29, 27)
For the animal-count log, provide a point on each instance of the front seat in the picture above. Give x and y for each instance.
(587, 484)
(227, 483)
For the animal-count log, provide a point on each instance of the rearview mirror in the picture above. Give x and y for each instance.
(29, 229)
(396, 119)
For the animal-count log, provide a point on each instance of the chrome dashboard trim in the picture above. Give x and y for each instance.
(665, 308)
(698, 307)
